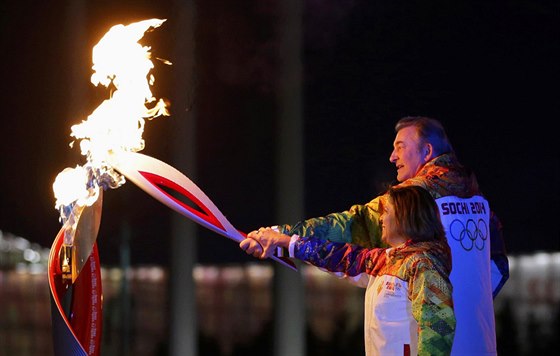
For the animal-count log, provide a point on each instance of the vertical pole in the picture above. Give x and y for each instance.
(183, 326)
(289, 289)
(79, 57)
(125, 293)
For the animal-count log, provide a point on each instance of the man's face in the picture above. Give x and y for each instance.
(407, 154)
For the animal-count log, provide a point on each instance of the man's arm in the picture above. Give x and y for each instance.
(499, 261)
(358, 225)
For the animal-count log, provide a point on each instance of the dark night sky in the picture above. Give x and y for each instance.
(488, 70)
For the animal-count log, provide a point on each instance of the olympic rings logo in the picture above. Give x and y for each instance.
(470, 235)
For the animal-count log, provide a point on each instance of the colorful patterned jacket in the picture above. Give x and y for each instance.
(408, 303)
(442, 176)
(445, 178)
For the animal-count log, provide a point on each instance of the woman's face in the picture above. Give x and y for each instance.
(389, 231)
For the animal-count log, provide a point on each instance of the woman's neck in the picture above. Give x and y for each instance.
(395, 241)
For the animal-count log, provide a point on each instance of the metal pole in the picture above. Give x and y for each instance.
(289, 289)
(183, 326)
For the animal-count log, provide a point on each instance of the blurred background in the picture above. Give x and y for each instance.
(280, 110)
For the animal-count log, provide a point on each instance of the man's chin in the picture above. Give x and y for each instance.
(402, 177)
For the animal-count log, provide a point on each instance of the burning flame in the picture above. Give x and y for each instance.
(118, 123)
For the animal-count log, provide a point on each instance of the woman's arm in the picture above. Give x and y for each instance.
(432, 308)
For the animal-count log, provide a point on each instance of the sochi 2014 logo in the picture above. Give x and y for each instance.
(472, 234)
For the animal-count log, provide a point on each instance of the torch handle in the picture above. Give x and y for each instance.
(172, 188)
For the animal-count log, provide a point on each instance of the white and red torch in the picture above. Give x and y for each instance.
(110, 139)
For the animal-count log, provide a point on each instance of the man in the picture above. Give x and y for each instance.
(424, 156)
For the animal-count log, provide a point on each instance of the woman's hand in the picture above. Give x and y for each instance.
(263, 242)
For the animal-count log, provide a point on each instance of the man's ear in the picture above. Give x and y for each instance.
(428, 152)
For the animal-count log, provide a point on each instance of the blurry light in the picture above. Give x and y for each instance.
(157, 273)
(31, 256)
(115, 274)
(21, 268)
(316, 274)
(37, 268)
(259, 272)
(512, 261)
(526, 263)
(154, 273)
(541, 259)
(555, 258)
(20, 243)
(206, 273)
(232, 274)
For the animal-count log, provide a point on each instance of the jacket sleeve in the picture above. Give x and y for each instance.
(499, 260)
(348, 259)
(358, 225)
(432, 308)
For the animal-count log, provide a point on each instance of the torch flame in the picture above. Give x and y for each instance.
(118, 123)
(69, 183)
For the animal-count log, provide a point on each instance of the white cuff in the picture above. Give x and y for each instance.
(292, 243)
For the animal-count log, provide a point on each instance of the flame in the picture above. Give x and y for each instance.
(69, 186)
(117, 123)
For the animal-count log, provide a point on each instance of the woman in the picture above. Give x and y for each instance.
(408, 304)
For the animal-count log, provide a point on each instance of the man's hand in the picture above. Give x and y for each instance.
(263, 242)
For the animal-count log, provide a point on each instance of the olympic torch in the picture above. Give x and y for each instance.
(160, 180)
(110, 139)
